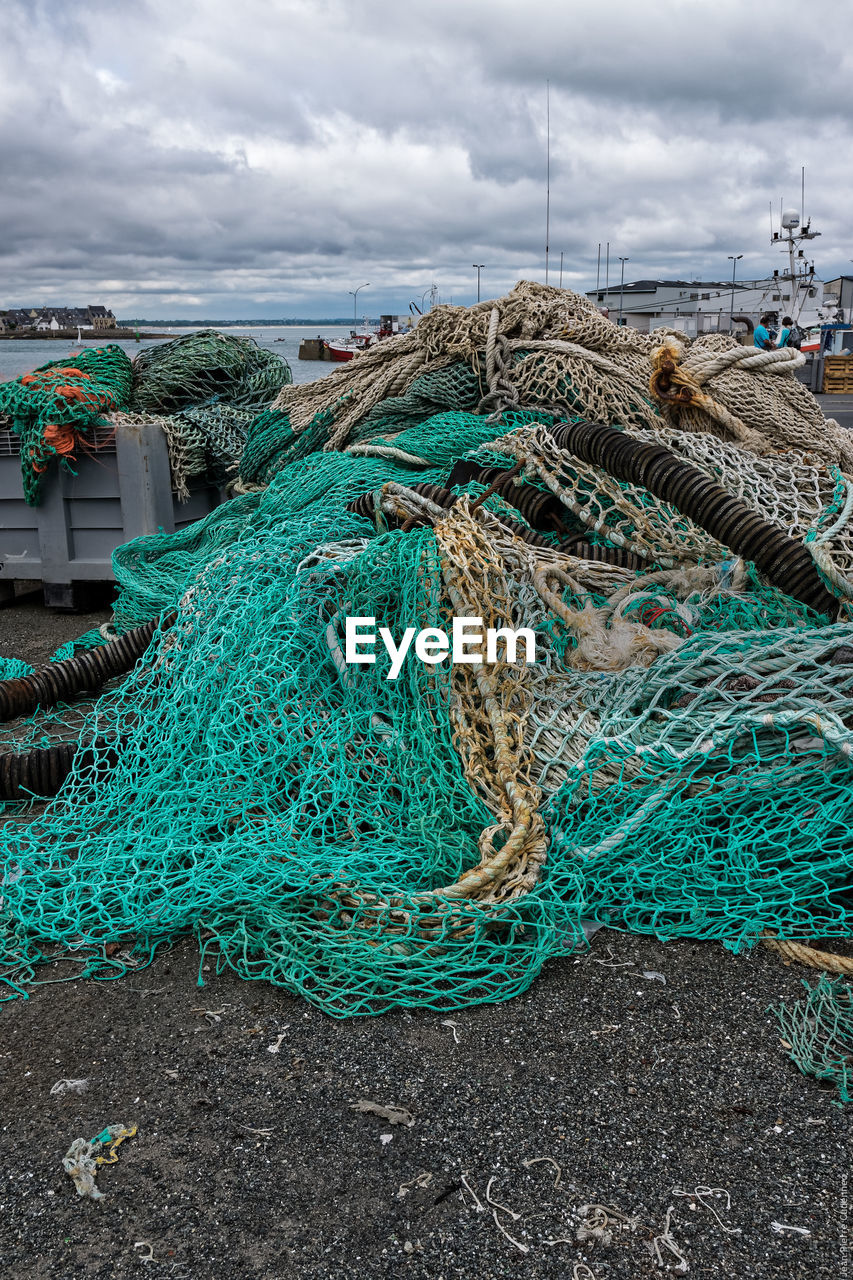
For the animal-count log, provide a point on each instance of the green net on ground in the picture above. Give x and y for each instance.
(676, 760)
(818, 1030)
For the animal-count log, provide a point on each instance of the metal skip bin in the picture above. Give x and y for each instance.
(119, 491)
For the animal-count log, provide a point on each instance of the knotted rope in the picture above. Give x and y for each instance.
(678, 378)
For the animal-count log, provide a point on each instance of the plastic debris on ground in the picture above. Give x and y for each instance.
(83, 1161)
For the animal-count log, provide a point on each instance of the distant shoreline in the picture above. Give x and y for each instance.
(249, 324)
(86, 335)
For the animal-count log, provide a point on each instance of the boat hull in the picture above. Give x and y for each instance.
(341, 353)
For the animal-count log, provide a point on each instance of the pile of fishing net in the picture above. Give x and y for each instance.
(818, 1030)
(207, 367)
(56, 410)
(203, 390)
(671, 521)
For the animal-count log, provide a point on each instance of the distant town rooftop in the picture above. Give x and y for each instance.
(650, 286)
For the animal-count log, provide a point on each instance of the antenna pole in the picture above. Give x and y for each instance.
(598, 269)
(802, 195)
(622, 287)
(734, 258)
(547, 175)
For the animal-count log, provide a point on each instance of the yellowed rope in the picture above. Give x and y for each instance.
(828, 960)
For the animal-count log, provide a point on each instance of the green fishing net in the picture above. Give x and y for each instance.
(818, 1030)
(56, 408)
(207, 367)
(279, 788)
(292, 811)
(311, 821)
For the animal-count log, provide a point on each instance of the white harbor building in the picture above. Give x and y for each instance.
(703, 306)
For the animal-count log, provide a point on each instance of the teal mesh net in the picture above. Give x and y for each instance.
(677, 761)
(818, 1031)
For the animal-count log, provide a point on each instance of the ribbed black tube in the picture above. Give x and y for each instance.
(364, 506)
(42, 771)
(618, 556)
(88, 672)
(783, 560)
(541, 510)
(574, 544)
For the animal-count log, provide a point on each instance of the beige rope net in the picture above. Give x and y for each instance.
(539, 346)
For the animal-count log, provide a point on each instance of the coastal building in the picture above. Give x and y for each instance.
(101, 318)
(699, 306)
(15, 319)
(54, 318)
(19, 318)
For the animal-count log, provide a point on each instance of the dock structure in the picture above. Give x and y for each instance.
(314, 349)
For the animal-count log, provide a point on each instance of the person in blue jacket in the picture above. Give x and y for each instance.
(761, 336)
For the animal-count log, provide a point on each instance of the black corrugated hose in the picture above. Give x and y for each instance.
(88, 672)
(575, 545)
(42, 771)
(783, 560)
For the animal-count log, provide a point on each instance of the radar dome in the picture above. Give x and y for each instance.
(790, 219)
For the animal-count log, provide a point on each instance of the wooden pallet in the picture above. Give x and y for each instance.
(838, 375)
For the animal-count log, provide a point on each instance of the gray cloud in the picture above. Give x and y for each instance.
(215, 159)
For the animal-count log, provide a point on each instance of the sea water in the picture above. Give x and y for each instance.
(22, 355)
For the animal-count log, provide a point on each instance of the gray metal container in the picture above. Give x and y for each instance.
(119, 492)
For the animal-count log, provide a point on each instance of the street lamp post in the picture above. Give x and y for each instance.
(478, 266)
(354, 294)
(734, 259)
(622, 286)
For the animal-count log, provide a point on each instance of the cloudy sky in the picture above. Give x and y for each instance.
(249, 158)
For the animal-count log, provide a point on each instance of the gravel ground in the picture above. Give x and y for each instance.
(250, 1160)
(32, 633)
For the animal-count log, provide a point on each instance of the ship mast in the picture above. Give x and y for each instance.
(801, 272)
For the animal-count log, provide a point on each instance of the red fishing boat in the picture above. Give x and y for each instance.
(346, 348)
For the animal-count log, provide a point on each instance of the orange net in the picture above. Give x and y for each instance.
(55, 409)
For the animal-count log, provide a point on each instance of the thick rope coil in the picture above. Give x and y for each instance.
(705, 365)
(502, 394)
(677, 380)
